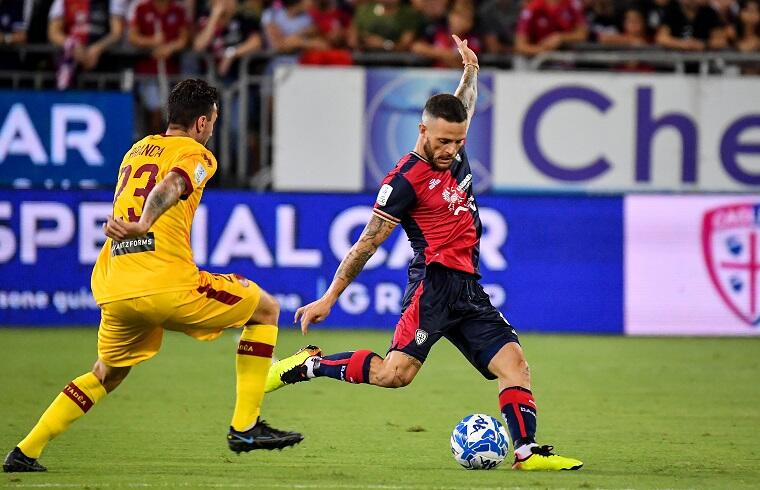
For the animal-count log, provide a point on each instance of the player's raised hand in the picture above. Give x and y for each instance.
(120, 230)
(314, 312)
(468, 55)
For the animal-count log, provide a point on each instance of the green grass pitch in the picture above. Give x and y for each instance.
(640, 412)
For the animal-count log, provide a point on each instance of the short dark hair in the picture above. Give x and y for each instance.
(447, 107)
(189, 100)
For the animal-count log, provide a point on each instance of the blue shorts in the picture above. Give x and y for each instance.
(451, 304)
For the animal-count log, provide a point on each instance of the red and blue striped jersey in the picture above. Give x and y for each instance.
(437, 209)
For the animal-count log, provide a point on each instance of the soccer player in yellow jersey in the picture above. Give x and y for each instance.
(145, 282)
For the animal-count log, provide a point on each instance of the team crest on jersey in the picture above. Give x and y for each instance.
(458, 200)
(199, 174)
(420, 336)
(731, 248)
(433, 183)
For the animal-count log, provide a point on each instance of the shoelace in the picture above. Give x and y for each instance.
(267, 428)
(545, 450)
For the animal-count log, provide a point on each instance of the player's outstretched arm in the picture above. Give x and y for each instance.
(163, 196)
(374, 234)
(467, 91)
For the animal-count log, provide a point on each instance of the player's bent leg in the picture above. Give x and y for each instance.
(519, 410)
(76, 399)
(397, 370)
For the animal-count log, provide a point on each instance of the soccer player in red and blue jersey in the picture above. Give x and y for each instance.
(429, 193)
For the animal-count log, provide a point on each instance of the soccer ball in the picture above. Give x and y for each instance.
(479, 442)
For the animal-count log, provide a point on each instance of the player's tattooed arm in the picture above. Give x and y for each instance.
(162, 197)
(374, 234)
(467, 91)
(165, 195)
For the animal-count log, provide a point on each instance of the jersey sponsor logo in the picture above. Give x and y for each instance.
(731, 249)
(146, 243)
(199, 174)
(384, 194)
(420, 336)
(433, 183)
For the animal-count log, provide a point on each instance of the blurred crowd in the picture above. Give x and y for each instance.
(328, 31)
(215, 34)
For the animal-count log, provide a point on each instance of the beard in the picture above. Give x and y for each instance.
(430, 157)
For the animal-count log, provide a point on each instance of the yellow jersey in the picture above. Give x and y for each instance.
(161, 261)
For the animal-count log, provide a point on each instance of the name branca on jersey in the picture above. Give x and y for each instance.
(384, 194)
(146, 243)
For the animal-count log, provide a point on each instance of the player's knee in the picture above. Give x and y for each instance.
(393, 378)
(110, 376)
(267, 312)
(403, 379)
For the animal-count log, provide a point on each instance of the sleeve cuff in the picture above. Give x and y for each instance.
(385, 216)
(188, 183)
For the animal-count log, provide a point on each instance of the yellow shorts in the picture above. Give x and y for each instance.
(131, 329)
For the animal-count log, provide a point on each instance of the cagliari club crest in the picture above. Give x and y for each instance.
(731, 248)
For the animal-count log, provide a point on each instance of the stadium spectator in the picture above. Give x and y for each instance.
(85, 30)
(332, 25)
(331, 22)
(197, 9)
(728, 13)
(14, 18)
(748, 27)
(548, 25)
(441, 48)
(432, 17)
(289, 28)
(654, 13)
(601, 19)
(229, 33)
(748, 34)
(37, 32)
(383, 25)
(634, 31)
(161, 27)
(691, 26)
(497, 21)
(634, 34)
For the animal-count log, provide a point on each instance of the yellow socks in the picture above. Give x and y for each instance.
(254, 356)
(73, 402)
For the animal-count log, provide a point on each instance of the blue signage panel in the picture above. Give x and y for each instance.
(67, 139)
(393, 109)
(549, 263)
